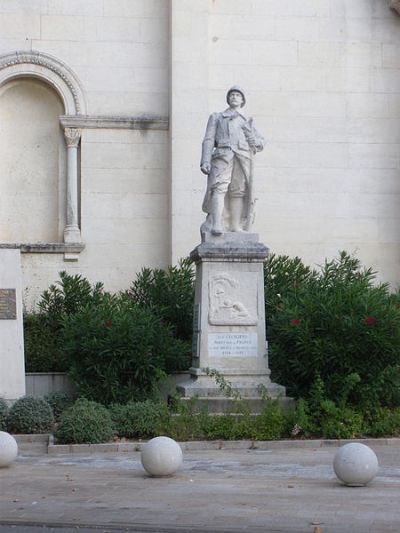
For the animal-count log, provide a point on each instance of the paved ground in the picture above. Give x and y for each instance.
(281, 489)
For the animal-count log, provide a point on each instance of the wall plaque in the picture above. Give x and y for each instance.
(232, 344)
(8, 304)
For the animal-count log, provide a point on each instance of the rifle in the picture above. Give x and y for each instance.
(251, 200)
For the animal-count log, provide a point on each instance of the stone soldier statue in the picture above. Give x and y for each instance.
(228, 148)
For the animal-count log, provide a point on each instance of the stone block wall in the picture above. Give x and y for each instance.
(323, 82)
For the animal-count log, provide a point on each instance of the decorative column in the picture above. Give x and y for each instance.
(72, 233)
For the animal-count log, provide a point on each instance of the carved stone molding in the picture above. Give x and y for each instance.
(45, 248)
(72, 136)
(138, 122)
(48, 68)
(395, 5)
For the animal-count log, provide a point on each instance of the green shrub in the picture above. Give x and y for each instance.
(169, 294)
(117, 350)
(3, 414)
(59, 401)
(298, 422)
(84, 422)
(381, 422)
(271, 422)
(30, 415)
(66, 297)
(337, 323)
(42, 345)
(138, 419)
(340, 423)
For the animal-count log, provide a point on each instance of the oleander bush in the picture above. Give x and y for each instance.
(43, 338)
(66, 297)
(30, 414)
(42, 345)
(3, 414)
(335, 322)
(85, 421)
(119, 351)
(169, 294)
(164, 297)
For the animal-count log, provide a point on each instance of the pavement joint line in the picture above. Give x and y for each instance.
(134, 528)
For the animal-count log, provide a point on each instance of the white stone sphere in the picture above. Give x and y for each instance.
(161, 456)
(8, 449)
(355, 464)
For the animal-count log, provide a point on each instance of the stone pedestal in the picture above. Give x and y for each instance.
(229, 320)
(12, 367)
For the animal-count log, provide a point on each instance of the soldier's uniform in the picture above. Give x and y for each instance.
(227, 151)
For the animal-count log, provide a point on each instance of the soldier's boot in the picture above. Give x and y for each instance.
(236, 208)
(217, 208)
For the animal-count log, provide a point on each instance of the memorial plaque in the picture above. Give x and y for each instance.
(232, 344)
(8, 304)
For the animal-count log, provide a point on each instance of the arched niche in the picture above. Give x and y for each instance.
(32, 164)
(16, 69)
(48, 69)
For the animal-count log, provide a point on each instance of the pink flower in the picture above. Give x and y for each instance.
(370, 320)
(296, 321)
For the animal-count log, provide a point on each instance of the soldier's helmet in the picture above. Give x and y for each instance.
(237, 89)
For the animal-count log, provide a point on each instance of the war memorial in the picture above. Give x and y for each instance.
(135, 133)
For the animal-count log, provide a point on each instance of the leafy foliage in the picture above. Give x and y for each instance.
(67, 297)
(138, 419)
(169, 294)
(30, 414)
(3, 414)
(59, 401)
(381, 422)
(84, 422)
(336, 323)
(118, 351)
(42, 345)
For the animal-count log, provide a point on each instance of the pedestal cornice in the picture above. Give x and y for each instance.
(230, 247)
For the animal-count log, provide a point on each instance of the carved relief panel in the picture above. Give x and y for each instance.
(233, 299)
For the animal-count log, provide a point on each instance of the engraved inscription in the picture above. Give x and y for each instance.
(196, 345)
(196, 318)
(233, 303)
(8, 304)
(232, 344)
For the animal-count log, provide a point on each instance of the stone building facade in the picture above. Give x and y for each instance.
(103, 106)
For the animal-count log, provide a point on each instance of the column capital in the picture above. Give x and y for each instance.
(72, 136)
